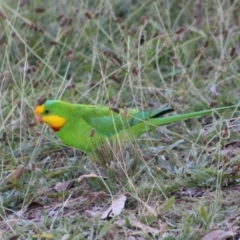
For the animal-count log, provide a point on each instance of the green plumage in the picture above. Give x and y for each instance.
(86, 125)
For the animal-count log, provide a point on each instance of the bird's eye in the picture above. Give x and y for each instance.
(46, 111)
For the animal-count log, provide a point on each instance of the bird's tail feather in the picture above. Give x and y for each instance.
(153, 122)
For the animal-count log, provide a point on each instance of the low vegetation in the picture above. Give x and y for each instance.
(181, 180)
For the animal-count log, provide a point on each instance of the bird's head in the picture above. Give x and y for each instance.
(49, 112)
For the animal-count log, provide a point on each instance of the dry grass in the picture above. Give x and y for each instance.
(142, 54)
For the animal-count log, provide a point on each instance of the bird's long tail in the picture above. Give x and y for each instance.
(153, 122)
(185, 116)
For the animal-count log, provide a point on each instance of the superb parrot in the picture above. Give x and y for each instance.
(84, 127)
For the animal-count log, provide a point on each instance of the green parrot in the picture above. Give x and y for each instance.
(84, 127)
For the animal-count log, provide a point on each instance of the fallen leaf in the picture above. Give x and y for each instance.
(218, 235)
(15, 174)
(116, 207)
(61, 187)
(80, 179)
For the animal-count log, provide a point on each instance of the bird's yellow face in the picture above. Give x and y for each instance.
(44, 115)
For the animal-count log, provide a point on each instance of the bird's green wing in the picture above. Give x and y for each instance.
(108, 122)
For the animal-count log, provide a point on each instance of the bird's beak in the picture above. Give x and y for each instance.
(38, 118)
(38, 110)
